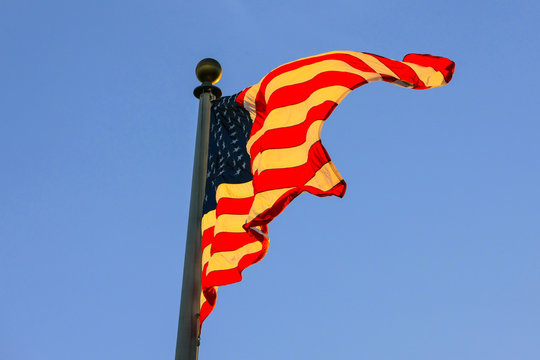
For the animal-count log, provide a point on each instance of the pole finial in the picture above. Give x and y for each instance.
(208, 72)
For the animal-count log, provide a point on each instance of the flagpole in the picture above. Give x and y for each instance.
(208, 71)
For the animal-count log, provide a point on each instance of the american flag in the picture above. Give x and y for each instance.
(265, 149)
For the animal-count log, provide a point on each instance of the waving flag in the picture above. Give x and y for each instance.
(265, 149)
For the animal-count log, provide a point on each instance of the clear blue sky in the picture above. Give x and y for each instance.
(432, 254)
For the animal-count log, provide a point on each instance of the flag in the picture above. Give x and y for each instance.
(265, 149)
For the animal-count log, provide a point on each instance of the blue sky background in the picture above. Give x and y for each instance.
(432, 254)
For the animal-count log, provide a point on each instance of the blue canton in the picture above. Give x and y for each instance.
(228, 160)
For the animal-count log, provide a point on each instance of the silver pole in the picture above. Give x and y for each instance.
(187, 342)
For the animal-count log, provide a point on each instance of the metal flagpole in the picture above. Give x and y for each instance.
(208, 71)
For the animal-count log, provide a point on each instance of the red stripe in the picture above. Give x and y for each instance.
(293, 135)
(206, 309)
(231, 241)
(230, 276)
(297, 93)
(210, 295)
(349, 59)
(208, 305)
(295, 176)
(403, 72)
(234, 206)
(316, 155)
(264, 218)
(223, 277)
(207, 237)
(267, 216)
(442, 64)
(338, 190)
(260, 100)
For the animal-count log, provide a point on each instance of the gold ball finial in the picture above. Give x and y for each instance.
(208, 70)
